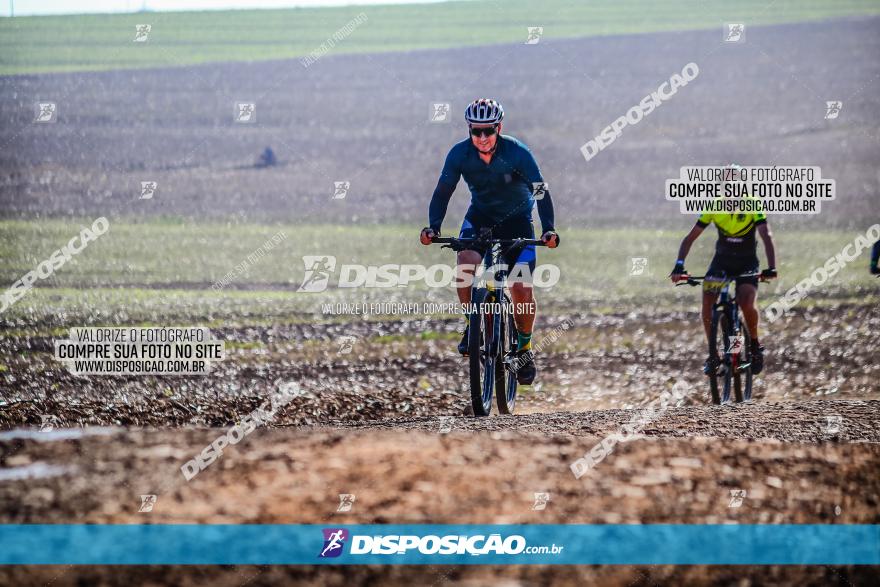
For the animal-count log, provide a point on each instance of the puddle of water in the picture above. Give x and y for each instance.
(55, 434)
(33, 471)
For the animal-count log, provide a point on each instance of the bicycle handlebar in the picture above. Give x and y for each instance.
(487, 241)
(696, 279)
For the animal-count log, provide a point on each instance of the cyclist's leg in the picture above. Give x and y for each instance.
(746, 299)
(524, 307)
(522, 267)
(747, 293)
(746, 296)
(522, 294)
(524, 311)
(706, 312)
(467, 262)
(520, 279)
(712, 283)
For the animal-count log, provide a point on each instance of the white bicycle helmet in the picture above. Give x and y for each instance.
(484, 111)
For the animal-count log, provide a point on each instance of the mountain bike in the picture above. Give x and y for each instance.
(730, 335)
(492, 333)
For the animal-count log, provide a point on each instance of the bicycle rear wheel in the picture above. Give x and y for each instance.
(482, 352)
(505, 375)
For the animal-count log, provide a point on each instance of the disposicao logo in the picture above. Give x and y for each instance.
(334, 541)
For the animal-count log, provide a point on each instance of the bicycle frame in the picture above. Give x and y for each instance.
(496, 286)
(726, 305)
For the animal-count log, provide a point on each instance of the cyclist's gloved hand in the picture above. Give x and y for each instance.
(678, 271)
(768, 274)
(428, 235)
(551, 238)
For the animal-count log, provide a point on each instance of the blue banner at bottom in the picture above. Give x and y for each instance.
(418, 544)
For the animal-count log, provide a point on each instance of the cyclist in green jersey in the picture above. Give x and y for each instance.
(735, 253)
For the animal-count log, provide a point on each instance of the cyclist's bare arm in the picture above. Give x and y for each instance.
(769, 247)
(678, 273)
(688, 240)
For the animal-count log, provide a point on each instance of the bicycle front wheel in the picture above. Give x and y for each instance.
(482, 352)
(719, 377)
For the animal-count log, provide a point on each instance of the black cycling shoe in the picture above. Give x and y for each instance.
(757, 360)
(526, 372)
(710, 367)
(463, 344)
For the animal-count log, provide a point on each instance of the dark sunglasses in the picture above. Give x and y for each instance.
(485, 131)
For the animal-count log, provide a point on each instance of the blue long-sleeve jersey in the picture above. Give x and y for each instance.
(504, 188)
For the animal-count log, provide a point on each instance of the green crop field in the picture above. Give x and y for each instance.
(159, 270)
(102, 42)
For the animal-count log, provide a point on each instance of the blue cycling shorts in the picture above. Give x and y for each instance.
(510, 228)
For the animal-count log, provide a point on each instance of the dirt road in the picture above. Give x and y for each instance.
(682, 468)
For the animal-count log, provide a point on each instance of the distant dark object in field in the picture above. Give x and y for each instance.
(267, 159)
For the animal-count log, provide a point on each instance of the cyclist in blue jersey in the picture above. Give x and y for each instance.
(875, 257)
(505, 183)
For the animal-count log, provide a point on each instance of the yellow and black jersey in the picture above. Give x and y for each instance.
(736, 232)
